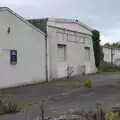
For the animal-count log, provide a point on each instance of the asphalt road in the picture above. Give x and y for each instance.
(40, 91)
(108, 94)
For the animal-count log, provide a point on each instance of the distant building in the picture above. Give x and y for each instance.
(69, 47)
(112, 55)
(22, 50)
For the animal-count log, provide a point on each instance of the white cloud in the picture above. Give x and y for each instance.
(111, 35)
(104, 17)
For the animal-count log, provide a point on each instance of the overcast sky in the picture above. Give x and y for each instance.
(103, 15)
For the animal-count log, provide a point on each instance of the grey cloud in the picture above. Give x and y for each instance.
(100, 14)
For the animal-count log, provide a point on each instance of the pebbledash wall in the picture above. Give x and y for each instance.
(112, 55)
(18, 34)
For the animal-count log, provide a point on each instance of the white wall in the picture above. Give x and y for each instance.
(70, 26)
(30, 45)
(75, 53)
(116, 55)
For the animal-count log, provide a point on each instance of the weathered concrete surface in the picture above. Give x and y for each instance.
(108, 94)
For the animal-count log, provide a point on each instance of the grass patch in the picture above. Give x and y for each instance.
(108, 67)
(88, 84)
(110, 82)
(117, 72)
(23, 85)
(66, 82)
(7, 106)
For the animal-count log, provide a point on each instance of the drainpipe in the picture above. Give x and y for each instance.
(46, 57)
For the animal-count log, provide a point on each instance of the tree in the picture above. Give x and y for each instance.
(101, 54)
(107, 45)
(113, 45)
(97, 47)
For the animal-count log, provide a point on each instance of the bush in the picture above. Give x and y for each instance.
(8, 107)
(108, 67)
(88, 84)
(112, 116)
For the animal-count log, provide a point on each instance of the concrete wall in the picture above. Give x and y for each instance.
(75, 51)
(116, 55)
(30, 45)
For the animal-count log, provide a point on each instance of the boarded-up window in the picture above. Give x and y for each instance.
(61, 52)
(87, 53)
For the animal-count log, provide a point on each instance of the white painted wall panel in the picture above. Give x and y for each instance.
(30, 45)
(74, 27)
(75, 53)
(116, 55)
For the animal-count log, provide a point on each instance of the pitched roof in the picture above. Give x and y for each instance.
(40, 23)
(21, 18)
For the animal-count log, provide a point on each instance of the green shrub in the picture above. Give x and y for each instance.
(112, 116)
(108, 67)
(88, 84)
(8, 107)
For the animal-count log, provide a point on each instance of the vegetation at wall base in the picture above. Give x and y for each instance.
(8, 107)
(108, 67)
(112, 116)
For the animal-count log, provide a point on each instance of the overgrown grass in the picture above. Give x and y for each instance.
(7, 106)
(65, 82)
(88, 84)
(108, 67)
(112, 116)
(23, 85)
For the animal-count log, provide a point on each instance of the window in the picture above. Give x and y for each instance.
(61, 52)
(87, 54)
